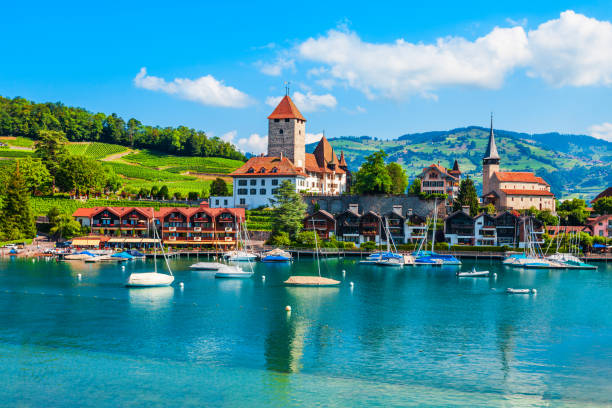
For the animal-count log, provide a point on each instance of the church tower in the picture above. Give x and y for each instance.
(490, 162)
(287, 133)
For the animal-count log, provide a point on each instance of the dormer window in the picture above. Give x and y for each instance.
(262, 170)
(274, 170)
(251, 170)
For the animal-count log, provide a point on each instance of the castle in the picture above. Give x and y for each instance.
(512, 189)
(321, 172)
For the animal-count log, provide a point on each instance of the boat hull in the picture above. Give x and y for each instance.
(149, 280)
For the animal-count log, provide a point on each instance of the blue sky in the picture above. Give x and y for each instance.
(379, 69)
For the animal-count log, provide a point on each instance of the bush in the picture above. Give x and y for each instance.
(280, 239)
(305, 239)
(482, 248)
(368, 246)
(348, 245)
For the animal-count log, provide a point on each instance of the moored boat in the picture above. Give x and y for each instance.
(232, 271)
(151, 279)
(207, 266)
(513, 291)
(277, 255)
(473, 274)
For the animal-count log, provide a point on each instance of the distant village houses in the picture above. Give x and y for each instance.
(436, 179)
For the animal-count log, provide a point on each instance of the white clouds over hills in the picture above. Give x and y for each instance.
(308, 102)
(573, 50)
(205, 90)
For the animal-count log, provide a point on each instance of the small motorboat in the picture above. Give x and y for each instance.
(372, 258)
(240, 256)
(395, 261)
(277, 255)
(231, 271)
(473, 274)
(207, 266)
(105, 258)
(512, 291)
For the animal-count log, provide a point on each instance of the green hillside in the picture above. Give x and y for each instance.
(574, 165)
(138, 168)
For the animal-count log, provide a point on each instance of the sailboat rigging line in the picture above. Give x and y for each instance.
(316, 246)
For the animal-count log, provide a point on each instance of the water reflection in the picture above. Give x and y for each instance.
(150, 298)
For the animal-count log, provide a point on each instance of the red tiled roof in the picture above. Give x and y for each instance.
(118, 211)
(264, 166)
(342, 160)
(556, 229)
(190, 211)
(286, 109)
(519, 176)
(606, 193)
(527, 192)
(440, 169)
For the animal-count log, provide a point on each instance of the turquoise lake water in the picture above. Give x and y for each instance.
(405, 337)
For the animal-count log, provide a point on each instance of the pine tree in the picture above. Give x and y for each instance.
(289, 210)
(17, 221)
(467, 196)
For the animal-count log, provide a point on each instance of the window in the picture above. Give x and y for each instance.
(253, 191)
(276, 120)
(225, 203)
(242, 191)
(262, 170)
(242, 182)
(242, 201)
(216, 202)
(263, 182)
(253, 182)
(280, 131)
(274, 190)
(275, 182)
(262, 191)
(251, 170)
(286, 120)
(274, 170)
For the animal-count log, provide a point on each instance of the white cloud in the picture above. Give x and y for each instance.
(255, 143)
(603, 131)
(205, 90)
(402, 68)
(572, 50)
(313, 137)
(307, 102)
(277, 67)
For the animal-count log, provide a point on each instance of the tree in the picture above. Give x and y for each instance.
(51, 149)
(399, 179)
(306, 239)
(113, 181)
(280, 239)
(373, 176)
(603, 206)
(467, 196)
(547, 217)
(415, 187)
(178, 196)
(192, 196)
(35, 175)
(289, 210)
(163, 194)
(219, 188)
(17, 220)
(154, 191)
(143, 192)
(490, 209)
(80, 173)
(64, 226)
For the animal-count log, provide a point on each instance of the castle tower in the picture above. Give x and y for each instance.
(490, 162)
(287, 132)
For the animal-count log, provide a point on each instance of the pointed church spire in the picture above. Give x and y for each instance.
(491, 152)
(456, 165)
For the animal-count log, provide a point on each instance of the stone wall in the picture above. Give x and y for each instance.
(380, 204)
(291, 143)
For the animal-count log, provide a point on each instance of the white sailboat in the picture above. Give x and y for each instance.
(235, 271)
(390, 258)
(207, 266)
(244, 254)
(314, 281)
(152, 279)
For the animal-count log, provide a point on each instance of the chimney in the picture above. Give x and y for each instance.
(397, 209)
(466, 209)
(281, 155)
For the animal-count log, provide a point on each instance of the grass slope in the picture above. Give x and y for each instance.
(177, 164)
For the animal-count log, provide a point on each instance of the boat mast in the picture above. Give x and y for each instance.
(316, 246)
(435, 224)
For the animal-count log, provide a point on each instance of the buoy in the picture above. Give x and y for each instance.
(534, 291)
(122, 266)
(343, 271)
(79, 276)
(352, 284)
(495, 275)
(263, 277)
(288, 308)
(182, 285)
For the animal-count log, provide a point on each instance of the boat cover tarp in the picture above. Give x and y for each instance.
(124, 255)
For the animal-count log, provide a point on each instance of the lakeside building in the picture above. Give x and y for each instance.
(322, 222)
(506, 228)
(179, 227)
(511, 189)
(437, 179)
(601, 225)
(320, 172)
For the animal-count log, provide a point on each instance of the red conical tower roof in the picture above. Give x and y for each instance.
(342, 160)
(286, 109)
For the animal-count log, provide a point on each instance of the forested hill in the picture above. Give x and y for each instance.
(20, 117)
(574, 165)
